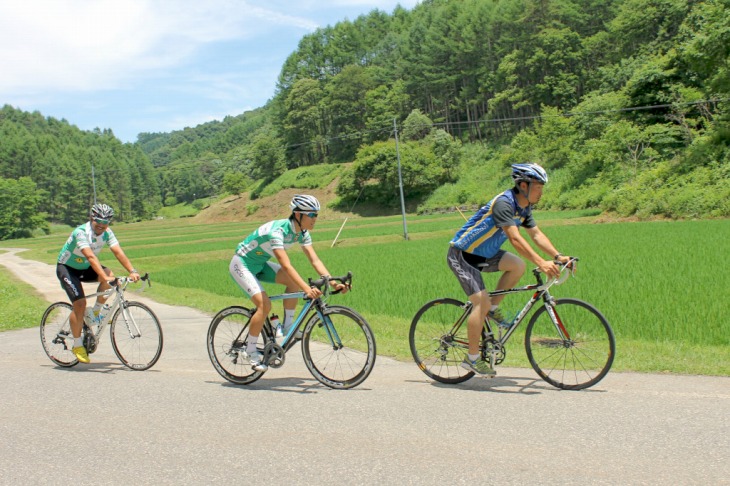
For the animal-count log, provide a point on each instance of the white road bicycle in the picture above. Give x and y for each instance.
(135, 331)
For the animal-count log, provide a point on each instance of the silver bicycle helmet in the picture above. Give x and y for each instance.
(529, 173)
(304, 202)
(102, 211)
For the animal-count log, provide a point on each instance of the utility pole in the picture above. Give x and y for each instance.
(400, 182)
(93, 181)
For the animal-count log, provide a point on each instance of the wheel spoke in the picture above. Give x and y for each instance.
(575, 364)
(348, 360)
(437, 351)
(136, 336)
(227, 337)
(56, 334)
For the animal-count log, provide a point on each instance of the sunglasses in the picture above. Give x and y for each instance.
(103, 221)
(311, 215)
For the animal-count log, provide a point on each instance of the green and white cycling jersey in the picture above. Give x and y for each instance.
(84, 237)
(259, 246)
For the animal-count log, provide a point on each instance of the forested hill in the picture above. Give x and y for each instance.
(48, 162)
(625, 102)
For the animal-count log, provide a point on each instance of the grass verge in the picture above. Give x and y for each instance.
(20, 305)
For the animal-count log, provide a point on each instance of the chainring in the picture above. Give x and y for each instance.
(274, 355)
(499, 352)
(90, 342)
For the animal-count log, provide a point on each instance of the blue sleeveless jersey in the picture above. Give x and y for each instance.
(480, 236)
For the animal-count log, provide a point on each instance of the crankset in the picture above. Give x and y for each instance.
(493, 349)
(274, 355)
(90, 342)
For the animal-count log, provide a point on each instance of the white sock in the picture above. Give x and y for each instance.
(473, 357)
(97, 308)
(78, 342)
(251, 347)
(288, 318)
(491, 309)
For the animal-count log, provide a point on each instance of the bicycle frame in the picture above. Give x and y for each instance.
(318, 306)
(541, 291)
(118, 300)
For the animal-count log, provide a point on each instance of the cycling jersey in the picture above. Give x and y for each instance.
(84, 237)
(483, 234)
(279, 234)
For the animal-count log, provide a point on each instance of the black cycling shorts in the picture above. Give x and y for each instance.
(71, 279)
(468, 268)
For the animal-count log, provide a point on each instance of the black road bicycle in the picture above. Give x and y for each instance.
(569, 343)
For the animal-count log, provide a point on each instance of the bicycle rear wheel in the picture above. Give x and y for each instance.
(136, 336)
(227, 340)
(340, 353)
(56, 334)
(437, 350)
(574, 353)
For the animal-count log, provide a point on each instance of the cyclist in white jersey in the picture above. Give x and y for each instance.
(251, 265)
(476, 248)
(78, 262)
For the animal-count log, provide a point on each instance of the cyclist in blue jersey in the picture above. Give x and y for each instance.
(78, 262)
(250, 266)
(476, 248)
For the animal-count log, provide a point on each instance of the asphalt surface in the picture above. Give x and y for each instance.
(181, 423)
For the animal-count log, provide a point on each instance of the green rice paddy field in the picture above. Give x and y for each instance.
(662, 285)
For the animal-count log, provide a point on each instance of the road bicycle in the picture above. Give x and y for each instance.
(338, 345)
(569, 343)
(135, 331)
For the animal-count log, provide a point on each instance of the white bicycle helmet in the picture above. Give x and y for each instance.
(102, 211)
(529, 173)
(304, 202)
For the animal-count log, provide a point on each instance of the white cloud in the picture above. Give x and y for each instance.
(102, 44)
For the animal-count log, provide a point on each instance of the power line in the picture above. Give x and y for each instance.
(362, 133)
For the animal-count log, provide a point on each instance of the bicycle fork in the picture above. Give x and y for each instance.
(329, 328)
(557, 322)
(133, 329)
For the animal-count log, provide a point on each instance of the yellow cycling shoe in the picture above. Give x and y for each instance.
(81, 354)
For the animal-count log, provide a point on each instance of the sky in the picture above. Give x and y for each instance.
(136, 66)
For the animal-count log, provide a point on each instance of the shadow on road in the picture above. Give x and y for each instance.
(96, 367)
(506, 384)
(285, 385)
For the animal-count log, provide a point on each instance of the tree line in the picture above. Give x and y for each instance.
(46, 174)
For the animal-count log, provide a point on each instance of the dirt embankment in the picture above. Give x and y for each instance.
(243, 208)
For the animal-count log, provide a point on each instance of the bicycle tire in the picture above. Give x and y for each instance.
(224, 353)
(138, 351)
(575, 363)
(436, 351)
(56, 336)
(347, 366)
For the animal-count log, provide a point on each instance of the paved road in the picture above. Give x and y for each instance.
(181, 423)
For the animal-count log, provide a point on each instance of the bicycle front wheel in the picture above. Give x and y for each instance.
(56, 334)
(339, 351)
(439, 346)
(227, 340)
(573, 353)
(136, 336)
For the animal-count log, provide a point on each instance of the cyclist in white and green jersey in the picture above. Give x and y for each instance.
(78, 262)
(251, 265)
